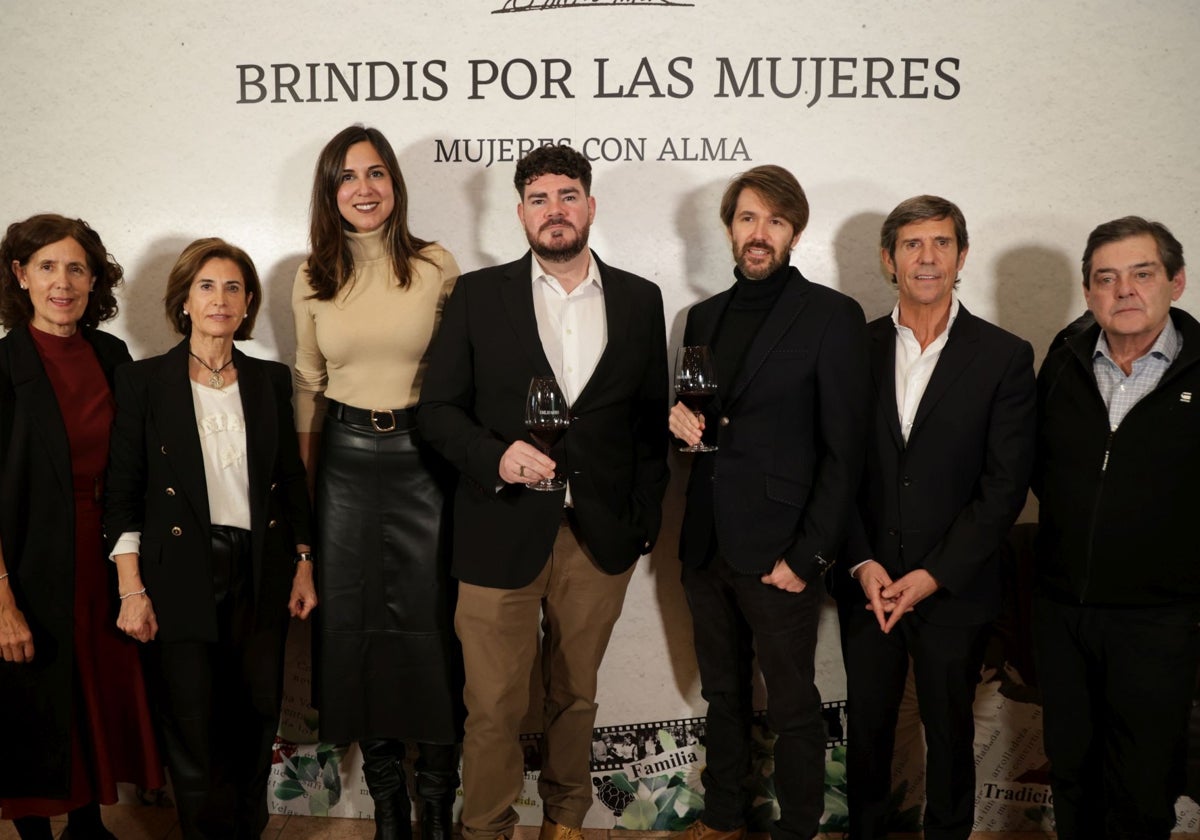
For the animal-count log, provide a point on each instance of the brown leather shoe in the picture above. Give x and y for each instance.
(553, 831)
(699, 831)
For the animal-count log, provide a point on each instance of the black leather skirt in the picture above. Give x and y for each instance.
(387, 661)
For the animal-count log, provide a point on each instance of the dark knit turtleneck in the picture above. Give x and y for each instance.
(747, 309)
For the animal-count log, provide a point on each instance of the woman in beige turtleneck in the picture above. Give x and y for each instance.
(367, 304)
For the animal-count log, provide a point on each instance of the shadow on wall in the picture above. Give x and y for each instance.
(707, 260)
(141, 300)
(276, 311)
(1035, 290)
(673, 609)
(860, 272)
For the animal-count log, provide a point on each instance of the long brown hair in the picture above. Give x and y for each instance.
(26, 238)
(331, 263)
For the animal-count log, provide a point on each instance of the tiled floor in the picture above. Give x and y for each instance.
(136, 822)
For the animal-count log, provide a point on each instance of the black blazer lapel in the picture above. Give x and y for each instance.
(31, 387)
(960, 349)
(616, 316)
(792, 301)
(516, 292)
(259, 417)
(883, 371)
(111, 352)
(175, 418)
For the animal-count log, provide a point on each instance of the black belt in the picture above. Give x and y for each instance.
(379, 419)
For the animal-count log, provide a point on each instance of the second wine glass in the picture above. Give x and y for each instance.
(547, 417)
(696, 385)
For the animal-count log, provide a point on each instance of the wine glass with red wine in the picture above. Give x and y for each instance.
(695, 384)
(547, 417)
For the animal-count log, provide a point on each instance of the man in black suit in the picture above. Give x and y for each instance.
(766, 512)
(948, 465)
(563, 559)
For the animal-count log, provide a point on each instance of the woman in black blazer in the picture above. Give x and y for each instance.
(73, 713)
(208, 511)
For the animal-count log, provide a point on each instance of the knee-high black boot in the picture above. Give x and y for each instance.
(437, 784)
(33, 828)
(383, 767)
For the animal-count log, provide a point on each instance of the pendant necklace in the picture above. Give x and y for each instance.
(215, 380)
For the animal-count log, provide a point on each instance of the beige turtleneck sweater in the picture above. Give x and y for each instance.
(368, 346)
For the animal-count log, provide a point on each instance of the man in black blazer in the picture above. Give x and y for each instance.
(560, 560)
(948, 466)
(766, 512)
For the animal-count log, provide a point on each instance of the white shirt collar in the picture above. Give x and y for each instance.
(538, 272)
(954, 307)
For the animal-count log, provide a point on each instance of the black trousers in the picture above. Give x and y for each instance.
(219, 705)
(946, 664)
(1116, 693)
(733, 615)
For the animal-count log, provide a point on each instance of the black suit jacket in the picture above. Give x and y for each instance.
(946, 501)
(614, 454)
(37, 531)
(156, 485)
(789, 430)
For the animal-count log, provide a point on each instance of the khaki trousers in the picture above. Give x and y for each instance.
(576, 605)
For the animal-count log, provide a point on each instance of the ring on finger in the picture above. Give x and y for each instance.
(521, 471)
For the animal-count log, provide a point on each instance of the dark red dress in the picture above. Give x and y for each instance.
(112, 738)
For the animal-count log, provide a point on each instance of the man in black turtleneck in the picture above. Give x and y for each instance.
(767, 510)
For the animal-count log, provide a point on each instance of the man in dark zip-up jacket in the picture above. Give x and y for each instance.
(1118, 598)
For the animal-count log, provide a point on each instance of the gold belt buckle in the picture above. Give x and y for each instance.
(377, 413)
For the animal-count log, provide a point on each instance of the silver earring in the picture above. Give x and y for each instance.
(185, 312)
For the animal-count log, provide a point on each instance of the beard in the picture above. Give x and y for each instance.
(759, 270)
(559, 249)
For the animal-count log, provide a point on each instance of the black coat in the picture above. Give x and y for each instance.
(37, 531)
(1116, 523)
(945, 500)
(156, 485)
(790, 431)
(614, 454)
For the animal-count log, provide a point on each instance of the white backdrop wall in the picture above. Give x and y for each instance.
(163, 122)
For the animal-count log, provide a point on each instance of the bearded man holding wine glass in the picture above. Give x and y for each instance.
(768, 505)
(562, 558)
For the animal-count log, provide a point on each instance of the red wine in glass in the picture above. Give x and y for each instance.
(696, 401)
(547, 417)
(546, 436)
(695, 384)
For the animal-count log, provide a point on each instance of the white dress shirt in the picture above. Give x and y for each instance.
(914, 366)
(572, 327)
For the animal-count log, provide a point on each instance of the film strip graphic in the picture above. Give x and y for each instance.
(616, 747)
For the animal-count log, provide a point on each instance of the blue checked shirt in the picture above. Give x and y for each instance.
(1121, 392)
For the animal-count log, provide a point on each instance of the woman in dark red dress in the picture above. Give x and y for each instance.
(73, 714)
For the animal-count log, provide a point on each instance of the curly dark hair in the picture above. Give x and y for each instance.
(331, 263)
(24, 239)
(555, 160)
(187, 268)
